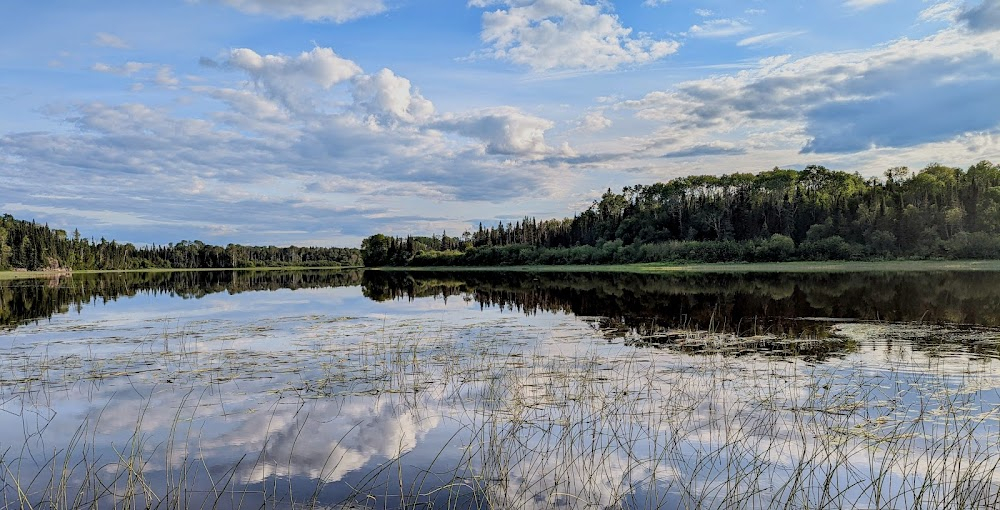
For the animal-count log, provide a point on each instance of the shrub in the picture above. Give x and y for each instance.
(776, 249)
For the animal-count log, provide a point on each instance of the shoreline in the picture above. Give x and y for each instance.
(647, 268)
(729, 267)
(23, 275)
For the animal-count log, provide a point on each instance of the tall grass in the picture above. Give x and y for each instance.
(428, 418)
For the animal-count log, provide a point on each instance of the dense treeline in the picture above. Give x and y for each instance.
(813, 214)
(27, 245)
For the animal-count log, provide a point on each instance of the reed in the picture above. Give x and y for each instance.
(468, 419)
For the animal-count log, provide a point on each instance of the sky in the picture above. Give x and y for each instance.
(321, 122)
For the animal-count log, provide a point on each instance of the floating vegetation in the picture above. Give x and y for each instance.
(704, 342)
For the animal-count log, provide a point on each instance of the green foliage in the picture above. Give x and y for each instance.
(26, 245)
(778, 215)
(882, 243)
(776, 249)
(375, 250)
(977, 245)
(830, 248)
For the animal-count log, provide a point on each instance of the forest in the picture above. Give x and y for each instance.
(30, 246)
(778, 215)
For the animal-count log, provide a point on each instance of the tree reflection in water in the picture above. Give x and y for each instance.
(392, 389)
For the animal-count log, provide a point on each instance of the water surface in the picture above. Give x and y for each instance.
(500, 390)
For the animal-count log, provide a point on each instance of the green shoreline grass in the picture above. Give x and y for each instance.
(652, 267)
(17, 275)
(765, 267)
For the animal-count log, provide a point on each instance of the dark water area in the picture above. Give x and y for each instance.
(392, 389)
(741, 303)
(729, 300)
(27, 300)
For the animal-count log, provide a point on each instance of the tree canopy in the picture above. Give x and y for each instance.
(781, 214)
(27, 245)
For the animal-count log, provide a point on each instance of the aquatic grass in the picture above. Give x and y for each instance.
(527, 425)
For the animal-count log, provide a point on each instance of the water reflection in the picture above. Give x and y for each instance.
(748, 303)
(726, 300)
(736, 313)
(27, 300)
(425, 390)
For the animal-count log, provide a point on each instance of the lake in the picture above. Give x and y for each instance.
(372, 389)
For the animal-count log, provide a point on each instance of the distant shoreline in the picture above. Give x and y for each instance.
(649, 268)
(23, 275)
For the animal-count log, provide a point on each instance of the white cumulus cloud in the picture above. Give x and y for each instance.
(391, 98)
(504, 130)
(593, 122)
(290, 79)
(851, 101)
(565, 34)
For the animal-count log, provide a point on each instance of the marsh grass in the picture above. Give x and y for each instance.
(832, 266)
(418, 415)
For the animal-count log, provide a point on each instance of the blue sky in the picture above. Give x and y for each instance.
(320, 122)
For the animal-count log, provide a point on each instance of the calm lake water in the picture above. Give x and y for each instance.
(501, 390)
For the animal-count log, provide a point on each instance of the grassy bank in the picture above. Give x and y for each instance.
(766, 267)
(23, 275)
(16, 275)
(653, 267)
